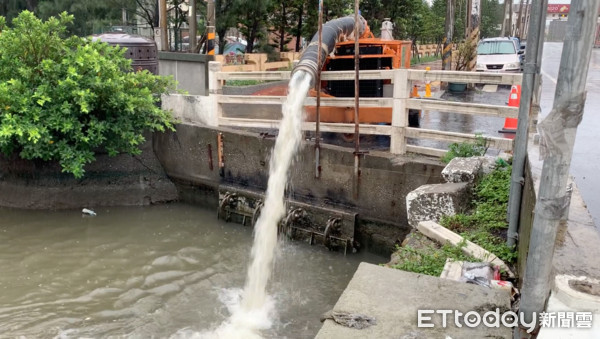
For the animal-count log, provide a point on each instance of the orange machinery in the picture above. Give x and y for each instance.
(375, 54)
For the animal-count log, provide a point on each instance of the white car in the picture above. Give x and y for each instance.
(498, 55)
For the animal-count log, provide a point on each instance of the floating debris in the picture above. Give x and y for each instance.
(88, 212)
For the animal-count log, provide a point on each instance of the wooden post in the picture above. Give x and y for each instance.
(399, 112)
(164, 35)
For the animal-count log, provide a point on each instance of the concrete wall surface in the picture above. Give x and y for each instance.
(109, 181)
(189, 70)
(193, 109)
(189, 154)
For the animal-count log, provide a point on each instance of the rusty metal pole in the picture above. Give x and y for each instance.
(162, 14)
(356, 100)
(558, 131)
(318, 88)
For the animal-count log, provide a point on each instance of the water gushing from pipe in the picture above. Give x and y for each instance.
(253, 312)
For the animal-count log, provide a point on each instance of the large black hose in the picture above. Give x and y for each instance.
(332, 31)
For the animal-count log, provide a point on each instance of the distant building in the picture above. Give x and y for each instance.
(558, 12)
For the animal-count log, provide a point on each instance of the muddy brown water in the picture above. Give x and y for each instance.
(141, 272)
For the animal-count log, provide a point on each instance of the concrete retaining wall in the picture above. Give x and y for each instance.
(194, 109)
(190, 70)
(109, 181)
(188, 154)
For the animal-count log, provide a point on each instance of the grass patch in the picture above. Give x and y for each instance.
(466, 149)
(424, 59)
(486, 226)
(429, 261)
(243, 82)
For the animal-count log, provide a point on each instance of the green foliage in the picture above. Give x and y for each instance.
(466, 149)
(237, 83)
(487, 225)
(425, 59)
(64, 98)
(429, 261)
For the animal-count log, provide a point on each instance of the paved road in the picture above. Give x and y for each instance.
(585, 165)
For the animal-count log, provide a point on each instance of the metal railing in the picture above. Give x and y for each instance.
(400, 103)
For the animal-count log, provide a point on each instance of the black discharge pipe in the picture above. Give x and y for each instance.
(332, 32)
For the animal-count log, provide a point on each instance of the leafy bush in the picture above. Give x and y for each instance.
(64, 98)
(466, 149)
(487, 225)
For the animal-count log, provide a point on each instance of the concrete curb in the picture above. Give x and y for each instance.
(443, 235)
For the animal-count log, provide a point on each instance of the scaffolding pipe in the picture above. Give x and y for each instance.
(558, 131)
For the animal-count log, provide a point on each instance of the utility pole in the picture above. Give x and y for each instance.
(162, 14)
(447, 53)
(558, 131)
(193, 26)
(519, 26)
(474, 19)
(526, 21)
(210, 29)
(506, 22)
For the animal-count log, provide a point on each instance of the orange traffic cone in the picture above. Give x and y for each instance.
(415, 92)
(514, 100)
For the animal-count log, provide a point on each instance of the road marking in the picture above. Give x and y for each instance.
(549, 76)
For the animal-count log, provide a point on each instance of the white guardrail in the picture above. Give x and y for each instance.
(400, 102)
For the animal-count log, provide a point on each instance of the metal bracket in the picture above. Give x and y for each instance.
(520, 180)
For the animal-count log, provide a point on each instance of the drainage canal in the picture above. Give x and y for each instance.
(151, 272)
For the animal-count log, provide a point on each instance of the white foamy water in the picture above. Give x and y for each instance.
(252, 310)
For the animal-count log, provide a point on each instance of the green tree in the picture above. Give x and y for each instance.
(281, 23)
(62, 98)
(92, 16)
(252, 19)
(491, 18)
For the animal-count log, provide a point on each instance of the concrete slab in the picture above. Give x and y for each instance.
(490, 88)
(393, 298)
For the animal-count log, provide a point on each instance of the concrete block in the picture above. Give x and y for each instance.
(443, 235)
(431, 202)
(463, 170)
(452, 270)
(393, 297)
(488, 164)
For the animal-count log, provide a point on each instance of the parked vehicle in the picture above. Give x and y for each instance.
(499, 55)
